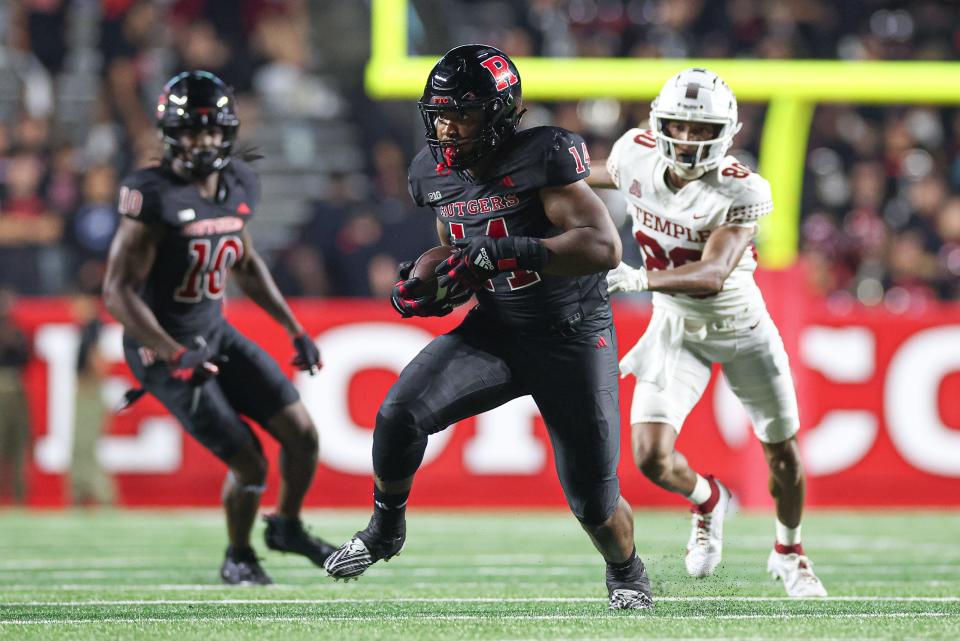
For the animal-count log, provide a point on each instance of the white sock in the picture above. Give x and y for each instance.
(787, 535)
(701, 491)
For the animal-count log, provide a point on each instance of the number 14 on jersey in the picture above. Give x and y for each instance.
(497, 228)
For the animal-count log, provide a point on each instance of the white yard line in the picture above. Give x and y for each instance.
(863, 562)
(384, 581)
(468, 570)
(679, 599)
(474, 617)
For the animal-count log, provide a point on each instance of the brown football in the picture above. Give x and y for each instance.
(423, 268)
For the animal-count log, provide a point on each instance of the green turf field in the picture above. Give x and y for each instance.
(499, 575)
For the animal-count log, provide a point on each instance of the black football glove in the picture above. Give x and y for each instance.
(480, 258)
(426, 306)
(193, 366)
(401, 297)
(408, 305)
(308, 354)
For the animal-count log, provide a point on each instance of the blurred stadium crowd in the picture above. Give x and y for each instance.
(78, 80)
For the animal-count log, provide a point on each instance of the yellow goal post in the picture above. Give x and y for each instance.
(791, 89)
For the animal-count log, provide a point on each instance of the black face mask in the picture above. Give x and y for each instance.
(200, 163)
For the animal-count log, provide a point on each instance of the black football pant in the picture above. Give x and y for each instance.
(250, 383)
(483, 364)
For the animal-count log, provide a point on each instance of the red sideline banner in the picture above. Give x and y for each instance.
(878, 402)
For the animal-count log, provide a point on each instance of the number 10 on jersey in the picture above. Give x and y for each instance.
(207, 274)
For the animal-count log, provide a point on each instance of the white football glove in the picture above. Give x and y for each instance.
(625, 278)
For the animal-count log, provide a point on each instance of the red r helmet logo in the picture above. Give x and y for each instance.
(500, 70)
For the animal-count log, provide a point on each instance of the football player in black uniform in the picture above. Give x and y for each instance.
(183, 230)
(533, 243)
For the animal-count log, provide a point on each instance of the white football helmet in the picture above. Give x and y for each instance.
(695, 95)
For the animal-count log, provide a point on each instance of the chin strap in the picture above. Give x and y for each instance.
(688, 174)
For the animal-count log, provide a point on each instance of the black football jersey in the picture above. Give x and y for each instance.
(201, 241)
(506, 202)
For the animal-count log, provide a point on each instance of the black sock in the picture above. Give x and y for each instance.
(235, 552)
(389, 511)
(286, 519)
(625, 570)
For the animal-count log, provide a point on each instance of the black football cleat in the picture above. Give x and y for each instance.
(630, 592)
(365, 548)
(241, 567)
(289, 535)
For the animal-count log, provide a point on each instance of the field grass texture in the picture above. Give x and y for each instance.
(471, 575)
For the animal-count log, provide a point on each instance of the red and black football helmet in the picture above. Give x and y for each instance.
(472, 77)
(193, 100)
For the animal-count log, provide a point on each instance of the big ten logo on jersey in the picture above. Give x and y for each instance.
(207, 275)
(500, 71)
(497, 228)
(433, 196)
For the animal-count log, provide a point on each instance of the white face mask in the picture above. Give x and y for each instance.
(695, 95)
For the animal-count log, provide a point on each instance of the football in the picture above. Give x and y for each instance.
(423, 268)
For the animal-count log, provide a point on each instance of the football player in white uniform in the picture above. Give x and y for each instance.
(694, 211)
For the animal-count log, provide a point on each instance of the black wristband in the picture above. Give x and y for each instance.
(522, 252)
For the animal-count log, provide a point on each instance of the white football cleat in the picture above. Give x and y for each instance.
(350, 560)
(630, 600)
(366, 547)
(705, 546)
(796, 572)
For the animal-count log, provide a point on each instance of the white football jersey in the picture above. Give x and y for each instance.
(672, 228)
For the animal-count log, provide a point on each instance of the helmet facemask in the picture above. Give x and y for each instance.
(499, 121)
(695, 95)
(192, 101)
(197, 162)
(707, 154)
